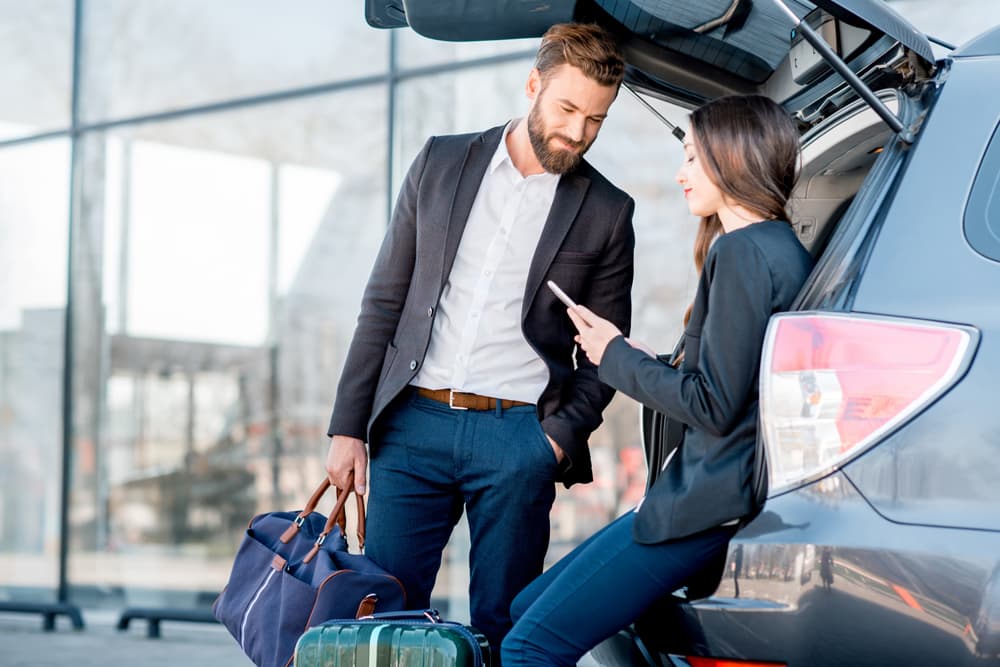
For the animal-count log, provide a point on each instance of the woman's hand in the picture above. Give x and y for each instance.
(595, 332)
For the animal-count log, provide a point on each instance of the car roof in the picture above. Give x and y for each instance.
(986, 44)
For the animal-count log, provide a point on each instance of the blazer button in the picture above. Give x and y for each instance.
(430, 312)
(413, 365)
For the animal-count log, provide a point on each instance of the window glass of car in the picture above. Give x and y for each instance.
(982, 213)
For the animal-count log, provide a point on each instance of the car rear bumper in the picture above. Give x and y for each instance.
(820, 578)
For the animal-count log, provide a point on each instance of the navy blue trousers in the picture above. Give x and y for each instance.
(428, 462)
(600, 588)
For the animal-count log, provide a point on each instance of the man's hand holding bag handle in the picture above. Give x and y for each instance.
(338, 517)
(293, 571)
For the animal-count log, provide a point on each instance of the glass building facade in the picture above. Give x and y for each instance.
(191, 198)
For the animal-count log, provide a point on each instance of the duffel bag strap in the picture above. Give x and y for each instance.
(340, 512)
(337, 517)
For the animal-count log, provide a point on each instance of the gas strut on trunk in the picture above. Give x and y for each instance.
(852, 79)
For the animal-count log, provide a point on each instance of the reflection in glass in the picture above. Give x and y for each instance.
(36, 49)
(192, 213)
(34, 201)
(157, 55)
(464, 101)
(235, 248)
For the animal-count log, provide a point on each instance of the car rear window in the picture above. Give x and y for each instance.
(982, 214)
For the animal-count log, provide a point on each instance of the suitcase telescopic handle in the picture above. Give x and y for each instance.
(431, 615)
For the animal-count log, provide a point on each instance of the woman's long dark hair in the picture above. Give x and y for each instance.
(749, 148)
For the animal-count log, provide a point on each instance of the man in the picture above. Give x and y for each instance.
(462, 374)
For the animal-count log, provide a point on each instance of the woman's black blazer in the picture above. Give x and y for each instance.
(749, 274)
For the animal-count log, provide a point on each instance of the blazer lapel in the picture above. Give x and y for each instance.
(566, 204)
(477, 159)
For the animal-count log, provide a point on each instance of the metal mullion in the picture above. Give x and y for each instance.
(394, 76)
(54, 134)
(68, 356)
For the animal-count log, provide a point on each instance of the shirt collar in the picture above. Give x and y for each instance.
(502, 155)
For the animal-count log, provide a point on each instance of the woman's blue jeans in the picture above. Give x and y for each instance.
(598, 589)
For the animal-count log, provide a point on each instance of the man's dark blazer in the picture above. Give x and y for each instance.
(586, 246)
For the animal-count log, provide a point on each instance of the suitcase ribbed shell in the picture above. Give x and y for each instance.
(375, 643)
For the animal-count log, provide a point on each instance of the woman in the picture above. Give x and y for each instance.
(738, 173)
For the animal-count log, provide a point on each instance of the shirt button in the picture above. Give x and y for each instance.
(487, 273)
(430, 312)
(413, 365)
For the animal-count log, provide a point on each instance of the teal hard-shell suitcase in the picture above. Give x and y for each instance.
(393, 639)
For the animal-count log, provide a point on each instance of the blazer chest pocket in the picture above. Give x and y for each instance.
(574, 257)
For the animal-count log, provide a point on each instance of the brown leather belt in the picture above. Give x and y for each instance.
(462, 401)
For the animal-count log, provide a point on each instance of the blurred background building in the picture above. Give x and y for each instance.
(191, 197)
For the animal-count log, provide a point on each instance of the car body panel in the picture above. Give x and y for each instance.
(923, 222)
(986, 44)
(470, 20)
(820, 578)
(943, 472)
(385, 13)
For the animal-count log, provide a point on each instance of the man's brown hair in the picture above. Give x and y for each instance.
(586, 46)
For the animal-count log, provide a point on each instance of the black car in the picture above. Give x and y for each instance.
(879, 542)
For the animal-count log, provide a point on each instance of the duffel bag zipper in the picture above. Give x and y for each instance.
(246, 614)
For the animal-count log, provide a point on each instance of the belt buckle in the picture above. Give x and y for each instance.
(451, 401)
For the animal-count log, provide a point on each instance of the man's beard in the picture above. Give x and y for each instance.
(558, 161)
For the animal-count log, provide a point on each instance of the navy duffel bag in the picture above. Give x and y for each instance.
(293, 571)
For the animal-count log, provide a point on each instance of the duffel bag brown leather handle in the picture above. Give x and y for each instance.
(337, 517)
(340, 512)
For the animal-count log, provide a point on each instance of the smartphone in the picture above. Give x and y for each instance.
(560, 294)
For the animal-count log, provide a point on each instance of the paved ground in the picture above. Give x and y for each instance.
(24, 644)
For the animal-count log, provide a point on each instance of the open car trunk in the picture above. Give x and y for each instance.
(689, 51)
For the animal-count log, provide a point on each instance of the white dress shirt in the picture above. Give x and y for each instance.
(476, 342)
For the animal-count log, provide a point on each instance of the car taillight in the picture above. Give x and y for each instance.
(832, 385)
(695, 661)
